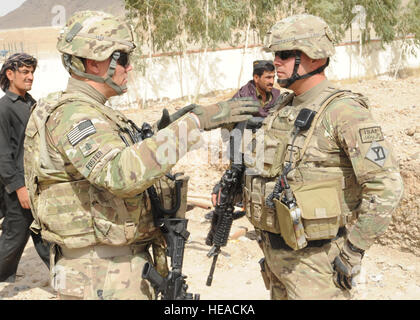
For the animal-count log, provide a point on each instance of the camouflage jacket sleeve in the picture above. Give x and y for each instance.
(91, 147)
(374, 165)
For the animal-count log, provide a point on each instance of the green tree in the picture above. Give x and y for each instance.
(408, 25)
(388, 19)
(409, 20)
(180, 25)
(177, 25)
(258, 16)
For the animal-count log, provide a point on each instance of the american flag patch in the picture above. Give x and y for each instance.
(82, 130)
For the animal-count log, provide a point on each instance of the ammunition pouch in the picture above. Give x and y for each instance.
(255, 192)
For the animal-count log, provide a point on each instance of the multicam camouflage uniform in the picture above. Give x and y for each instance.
(86, 200)
(87, 177)
(347, 147)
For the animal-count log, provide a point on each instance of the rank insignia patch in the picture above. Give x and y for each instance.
(83, 130)
(377, 154)
(88, 148)
(371, 134)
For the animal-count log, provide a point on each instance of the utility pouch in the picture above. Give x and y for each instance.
(320, 210)
(166, 189)
(292, 233)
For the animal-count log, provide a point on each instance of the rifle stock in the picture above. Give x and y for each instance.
(174, 230)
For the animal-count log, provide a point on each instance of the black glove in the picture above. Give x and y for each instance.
(167, 119)
(254, 123)
(346, 265)
(216, 188)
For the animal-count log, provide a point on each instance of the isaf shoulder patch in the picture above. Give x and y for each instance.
(83, 130)
(371, 134)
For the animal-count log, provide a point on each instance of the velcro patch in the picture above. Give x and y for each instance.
(88, 148)
(83, 130)
(377, 154)
(371, 134)
(320, 212)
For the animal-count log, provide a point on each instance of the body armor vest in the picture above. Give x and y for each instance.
(314, 159)
(73, 212)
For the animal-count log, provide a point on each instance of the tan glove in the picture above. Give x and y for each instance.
(232, 111)
(347, 264)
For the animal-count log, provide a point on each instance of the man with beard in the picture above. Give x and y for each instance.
(260, 88)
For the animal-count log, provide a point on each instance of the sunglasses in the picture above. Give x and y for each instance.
(284, 55)
(124, 59)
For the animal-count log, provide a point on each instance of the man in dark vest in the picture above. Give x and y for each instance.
(261, 86)
(261, 89)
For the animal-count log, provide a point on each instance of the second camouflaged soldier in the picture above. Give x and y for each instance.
(87, 174)
(328, 182)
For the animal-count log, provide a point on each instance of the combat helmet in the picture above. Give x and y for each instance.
(303, 33)
(97, 36)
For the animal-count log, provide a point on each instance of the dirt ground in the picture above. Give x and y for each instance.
(390, 268)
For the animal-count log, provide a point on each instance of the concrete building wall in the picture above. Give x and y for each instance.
(221, 70)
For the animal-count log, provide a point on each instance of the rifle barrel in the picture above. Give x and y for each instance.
(213, 267)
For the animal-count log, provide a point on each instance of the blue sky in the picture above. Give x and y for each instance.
(7, 6)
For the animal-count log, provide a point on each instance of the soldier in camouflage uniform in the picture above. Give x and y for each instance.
(87, 174)
(344, 179)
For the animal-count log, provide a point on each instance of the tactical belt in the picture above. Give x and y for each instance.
(103, 251)
(277, 241)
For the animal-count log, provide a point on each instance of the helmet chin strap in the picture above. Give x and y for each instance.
(108, 79)
(111, 70)
(285, 83)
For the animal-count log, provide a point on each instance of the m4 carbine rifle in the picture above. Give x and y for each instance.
(223, 215)
(230, 187)
(174, 230)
